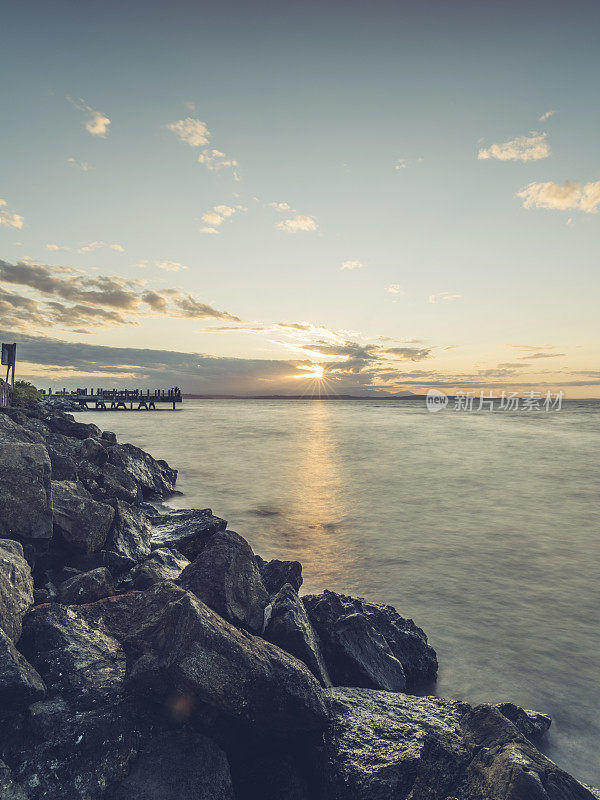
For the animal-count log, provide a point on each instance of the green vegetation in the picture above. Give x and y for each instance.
(25, 393)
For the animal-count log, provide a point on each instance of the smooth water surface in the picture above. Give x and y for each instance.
(481, 526)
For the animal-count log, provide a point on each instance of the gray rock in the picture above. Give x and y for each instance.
(155, 478)
(92, 450)
(86, 587)
(108, 482)
(275, 574)
(289, 628)
(82, 522)
(9, 790)
(12, 432)
(66, 425)
(161, 565)
(186, 530)
(109, 438)
(224, 575)
(16, 588)
(532, 724)
(178, 765)
(20, 684)
(131, 531)
(25, 493)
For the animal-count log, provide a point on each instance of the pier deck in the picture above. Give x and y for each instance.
(114, 399)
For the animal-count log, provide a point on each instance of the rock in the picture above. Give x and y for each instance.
(185, 530)
(374, 742)
(86, 587)
(289, 628)
(161, 565)
(41, 596)
(114, 563)
(66, 425)
(83, 523)
(80, 661)
(12, 432)
(9, 790)
(178, 765)
(20, 684)
(109, 438)
(532, 724)
(25, 492)
(224, 575)
(131, 532)
(275, 574)
(186, 657)
(16, 588)
(64, 467)
(109, 482)
(155, 478)
(91, 450)
(346, 643)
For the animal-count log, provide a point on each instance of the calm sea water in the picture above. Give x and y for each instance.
(482, 526)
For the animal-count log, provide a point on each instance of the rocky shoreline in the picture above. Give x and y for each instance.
(147, 653)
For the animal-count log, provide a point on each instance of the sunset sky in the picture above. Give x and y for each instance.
(238, 197)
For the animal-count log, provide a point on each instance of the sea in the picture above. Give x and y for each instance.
(481, 525)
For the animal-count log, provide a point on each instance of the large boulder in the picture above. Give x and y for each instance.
(86, 587)
(178, 765)
(224, 575)
(354, 634)
(155, 478)
(275, 574)
(82, 522)
(374, 743)
(11, 431)
(77, 660)
(161, 565)
(108, 482)
(289, 628)
(25, 491)
(9, 790)
(93, 450)
(532, 724)
(65, 424)
(16, 588)
(186, 530)
(131, 531)
(20, 684)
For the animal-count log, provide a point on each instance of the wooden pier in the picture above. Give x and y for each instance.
(114, 399)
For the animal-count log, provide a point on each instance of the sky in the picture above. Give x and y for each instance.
(283, 198)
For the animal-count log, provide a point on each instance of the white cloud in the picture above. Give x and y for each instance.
(568, 195)
(55, 247)
(208, 230)
(9, 218)
(281, 206)
(217, 215)
(352, 265)
(300, 222)
(191, 131)
(171, 266)
(441, 297)
(523, 148)
(394, 289)
(119, 248)
(403, 163)
(546, 115)
(88, 247)
(82, 165)
(98, 123)
(215, 160)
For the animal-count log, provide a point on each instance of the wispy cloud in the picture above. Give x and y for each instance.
(523, 148)
(8, 218)
(543, 355)
(97, 123)
(404, 163)
(88, 247)
(214, 218)
(191, 131)
(301, 222)
(82, 165)
(215, 160)
(562, 197)
(171, 266)
(546, 115)
(352, 265)
(394, 289)
(443, 297)
(281, 206)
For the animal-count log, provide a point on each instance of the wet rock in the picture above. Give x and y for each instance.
(92, 450)
(80, 661)
(66, 425)
(354, 648)
(82, 522)
(186, 531)
(275, 574)
(161, 565)
(20, 684)
(86, 587)
(224, 575)
(131, 531)
(16, 588)
(178, 765)
(155, 478)
(114, 563)
(25, 492)
(289, 628)
(374, 743)
(532, 724)
(186, 657)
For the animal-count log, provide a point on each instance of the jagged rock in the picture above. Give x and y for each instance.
(108, 482)
(178, 765)
(64, 467)
(86, 587)
(532, 724)
(12, 432)
(161, 565)
(224, 575)
(83, 523)
(275, 574)
(131, 531)
(41, 596)
(114, 563)
(108, 437)
(186, 657)
(9, 790)
(20, 684)
(16, 588)
(66, 425)
(80, 661)
(25, 492)
(91, 450)
(185, 530)
(374, 742)
(289, 628)
(155, 478)
(354, 650)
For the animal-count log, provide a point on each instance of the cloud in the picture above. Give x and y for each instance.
(409, 353)
(215, 160)
(171, 266)
(9, 218)
(97, 123)
(281, 206)
(82, 165)
(88, 247)
(562, 197)
(352, 265)
(403, 163)
(442, 297)
(191, 131)
(217, 215)
(543, 355)
(523, 148)
(55, 247)
(300, 222)
(546, 115)
(394, 289)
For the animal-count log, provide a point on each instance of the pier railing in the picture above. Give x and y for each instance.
(101, 399)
